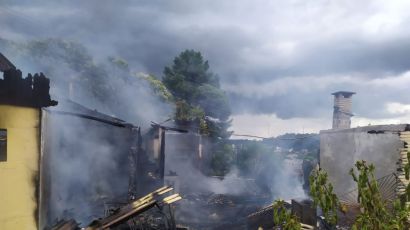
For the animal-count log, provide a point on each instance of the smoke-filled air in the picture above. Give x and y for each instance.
(204, 115)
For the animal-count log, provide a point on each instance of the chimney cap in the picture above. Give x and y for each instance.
(344, 93)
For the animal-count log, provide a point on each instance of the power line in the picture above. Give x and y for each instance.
(277, 138)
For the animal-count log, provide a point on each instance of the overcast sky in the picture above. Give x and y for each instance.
(278, 61)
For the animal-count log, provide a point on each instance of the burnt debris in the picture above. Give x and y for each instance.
(135, 215)
(32, 91)
(304, 210)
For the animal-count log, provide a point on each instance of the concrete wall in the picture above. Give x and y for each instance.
(340, 149)
(19, 173)
(180, 149)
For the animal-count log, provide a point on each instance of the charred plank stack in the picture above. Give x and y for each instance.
(135, 208)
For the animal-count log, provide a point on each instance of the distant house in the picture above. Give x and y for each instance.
(385, 146)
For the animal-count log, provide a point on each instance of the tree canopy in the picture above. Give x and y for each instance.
(199, 100)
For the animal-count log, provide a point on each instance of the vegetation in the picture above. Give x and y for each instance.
(222, 159)
(323, 196)
(157, 86)
(251, 155)
(200, 103)
(407, 175)
(376, 213)
(283, 218)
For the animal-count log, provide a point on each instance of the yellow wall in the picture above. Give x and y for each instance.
(17, 187)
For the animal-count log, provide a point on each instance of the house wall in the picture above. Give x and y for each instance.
(85, 168)
(340, 149)
(19, 173)
(181, 149)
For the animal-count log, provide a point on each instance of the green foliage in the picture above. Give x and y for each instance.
(57, 56)
(197, 95)
(283, 218)
(222, 159)
(250, 155)
(407, 173)
(186, 113)
(374, 211)
(323, 196)
(157, 86)
(119, 63)
(200, 104)
(188, 72)
(217, 130)
(72, 53)
(213, 101)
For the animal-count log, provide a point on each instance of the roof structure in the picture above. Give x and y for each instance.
(70, 108)
(5, 64)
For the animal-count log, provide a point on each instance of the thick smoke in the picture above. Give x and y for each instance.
(85, 165)
(222, 202)
(86, 155)
(109, 86)
(279, 176)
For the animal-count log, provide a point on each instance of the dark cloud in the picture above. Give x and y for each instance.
(288, 106)
(248, 43)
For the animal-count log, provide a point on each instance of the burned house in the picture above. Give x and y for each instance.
(21, 103)
(65, 161)
(89, 163)
(385, 146)
(174, 151)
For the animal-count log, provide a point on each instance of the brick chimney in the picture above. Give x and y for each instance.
(342, 111)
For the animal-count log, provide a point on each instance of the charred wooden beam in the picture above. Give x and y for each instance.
(113, 123)
(135, 208)
(162, 154)
(168, 128)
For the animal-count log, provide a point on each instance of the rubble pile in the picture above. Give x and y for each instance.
(215, 211)
(148, 212)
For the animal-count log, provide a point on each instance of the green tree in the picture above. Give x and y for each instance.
(157, 86)
(66, 62)
(253, 157)
(323, 196)
(407, 176)
(374, 210)
(283, 218)
(222, 159)
(200, 103)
